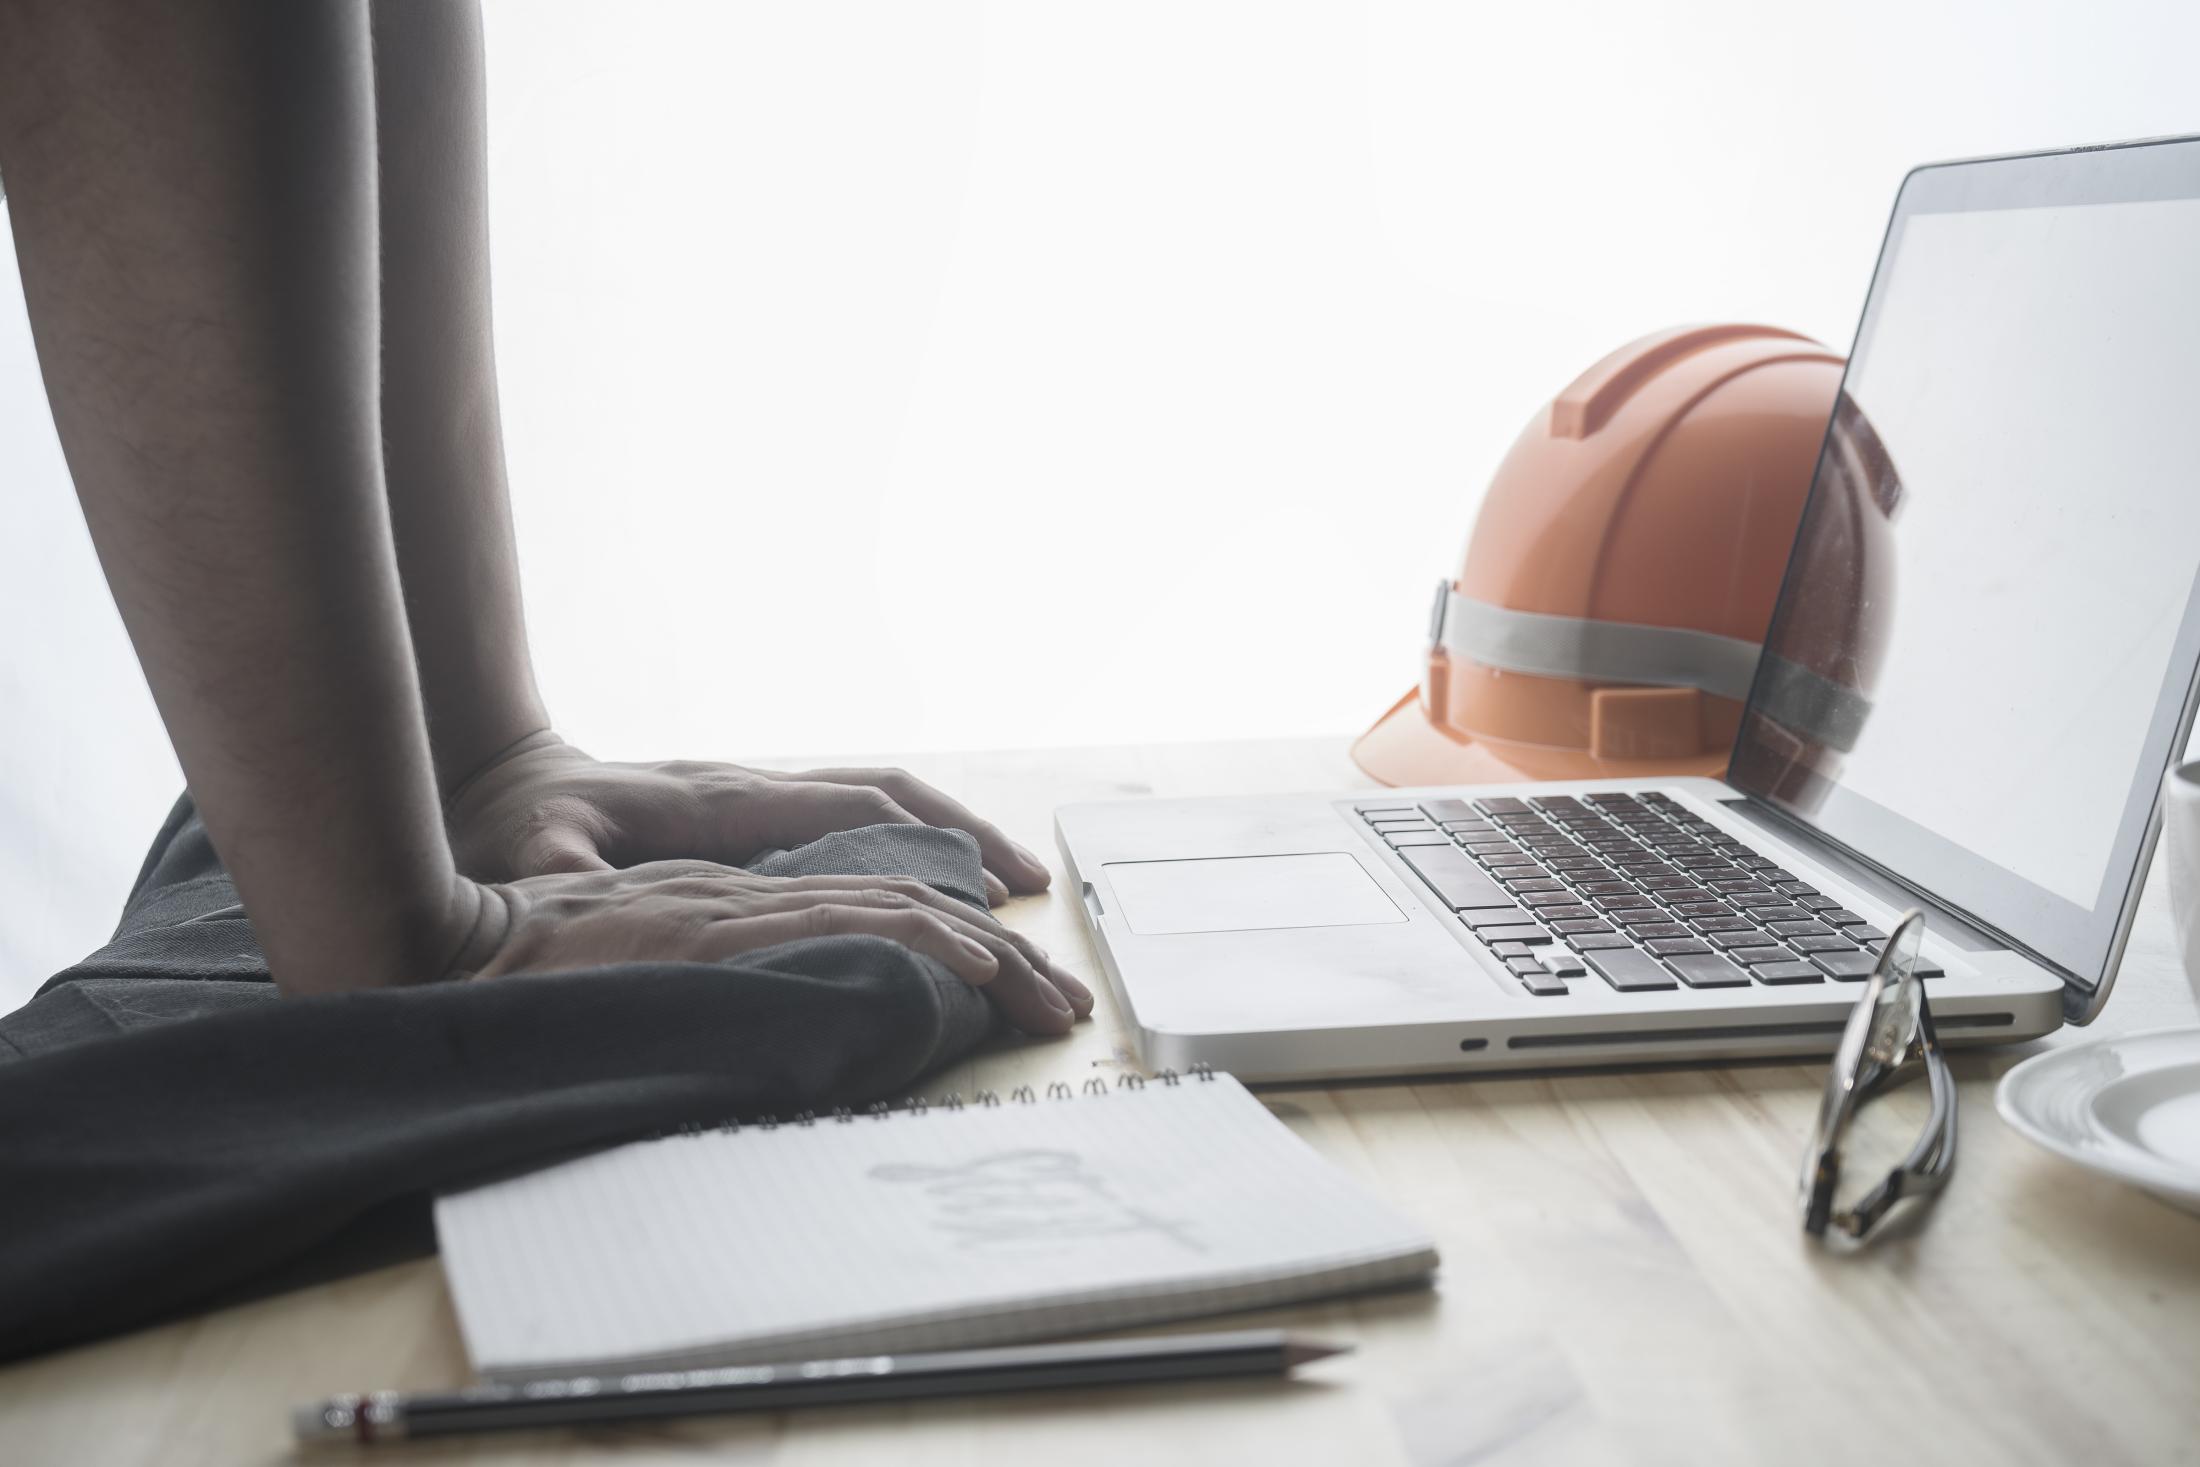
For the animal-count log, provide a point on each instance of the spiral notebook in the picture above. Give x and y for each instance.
(931, 1227)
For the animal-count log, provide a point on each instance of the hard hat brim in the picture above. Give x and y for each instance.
(1404, 748)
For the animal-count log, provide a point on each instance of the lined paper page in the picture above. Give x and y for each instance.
(932, 1230)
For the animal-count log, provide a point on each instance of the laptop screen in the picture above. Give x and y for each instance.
(1984, 650)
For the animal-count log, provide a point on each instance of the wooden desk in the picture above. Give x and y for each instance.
(1624, 1279)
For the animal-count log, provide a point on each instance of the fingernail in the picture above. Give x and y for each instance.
(981, 952)
(1054, 999)
(1029, 858)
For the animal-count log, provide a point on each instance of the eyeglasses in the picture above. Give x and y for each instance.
(1888, 1038)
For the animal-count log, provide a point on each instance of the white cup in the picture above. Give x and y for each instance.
(2181, 833)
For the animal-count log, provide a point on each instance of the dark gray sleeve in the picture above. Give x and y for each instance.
(174, 1135)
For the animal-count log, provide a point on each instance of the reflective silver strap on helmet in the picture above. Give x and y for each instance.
(1812, 706)
(1537, 642)
(1594, 651)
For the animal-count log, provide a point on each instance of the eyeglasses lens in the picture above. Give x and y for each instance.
(1887, 1121)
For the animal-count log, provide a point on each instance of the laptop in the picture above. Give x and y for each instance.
(2029, 358)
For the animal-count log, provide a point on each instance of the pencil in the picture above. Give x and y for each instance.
(387, 1416)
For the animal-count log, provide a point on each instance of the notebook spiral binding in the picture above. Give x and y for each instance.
(917, 1105)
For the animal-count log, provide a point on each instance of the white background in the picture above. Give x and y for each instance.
(886, 376)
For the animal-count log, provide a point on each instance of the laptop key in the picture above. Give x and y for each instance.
(1846, 965)
(1502, 807)
(1511, 949)
(1709, 971)
(1537, 886)
(1754, 957)
(1565, 965)
(1573, 925)
(1841, 917)
(1522, 933)
(1557, 896)
(1629, 970)
(1866, 934)
(1829, 943)
(1643, 931)
(1589, 942)
(1565, 914)
(1721, 924)
(1543, 985)
(1702, 909)
(1669, 947)
(1417, 838)
(1529, 964)
(1453, 877)
(1799, 929)
(1744, 936)
(1786, 973)
(1478, 918)
(1447, 810)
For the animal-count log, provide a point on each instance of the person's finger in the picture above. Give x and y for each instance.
(1026, 988)
(1070, 986)
(1018, 868)
(554, 850)
(916, 929)
(794, 812)
(996, 891)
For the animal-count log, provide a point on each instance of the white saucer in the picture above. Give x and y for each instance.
(2127, 1107)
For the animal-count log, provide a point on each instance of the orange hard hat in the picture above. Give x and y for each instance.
(1613, 601)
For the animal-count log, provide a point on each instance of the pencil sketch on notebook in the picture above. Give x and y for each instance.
(1028, 1200)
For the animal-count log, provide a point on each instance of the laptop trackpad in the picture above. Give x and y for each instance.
(1240, 893)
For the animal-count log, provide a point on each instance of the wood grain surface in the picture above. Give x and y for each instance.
(1624, 1279)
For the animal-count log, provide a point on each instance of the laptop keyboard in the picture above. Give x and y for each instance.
(1633, 888)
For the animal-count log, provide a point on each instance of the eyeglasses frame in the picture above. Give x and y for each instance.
(1857, 1077)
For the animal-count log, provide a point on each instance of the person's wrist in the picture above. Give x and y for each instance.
(440, 928)
(463, 781)
(482, 919)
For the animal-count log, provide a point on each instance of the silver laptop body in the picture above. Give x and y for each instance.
(2027, 356)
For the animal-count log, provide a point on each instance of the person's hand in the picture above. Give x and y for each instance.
(543, 806)
(694, 911)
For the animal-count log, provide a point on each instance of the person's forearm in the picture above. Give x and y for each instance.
(441, 430)
(192, 193)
